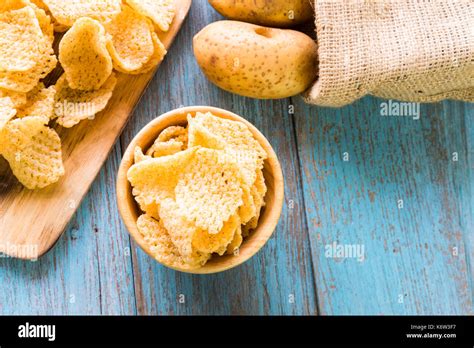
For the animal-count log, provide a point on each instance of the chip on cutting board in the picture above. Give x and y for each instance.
(20, 33)
(199, 192)
(33, 151)
(18, 98)
(83, 55)
(72, 105)
(27, 34)
(161, 12)
(67, 12)
(25, 81)
(158, 54)
(7, 111)
(20, 132)
(39, 102)
(39, 164)
(131, 46)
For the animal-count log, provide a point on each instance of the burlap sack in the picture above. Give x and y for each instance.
(410, 50)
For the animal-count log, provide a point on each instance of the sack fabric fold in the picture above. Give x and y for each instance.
(409, 50)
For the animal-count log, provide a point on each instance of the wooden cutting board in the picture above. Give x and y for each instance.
(32, 221)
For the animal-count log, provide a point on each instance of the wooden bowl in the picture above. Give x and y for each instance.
(130, 211)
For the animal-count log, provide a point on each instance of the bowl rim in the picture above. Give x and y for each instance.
(124, 189)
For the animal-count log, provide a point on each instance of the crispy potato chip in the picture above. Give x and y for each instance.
(7, 111)
(40, 4)
(168, 148)
(132, 44)
(234, 137)
(45, 23)
(20, 34)
(181, 232)
(258, 191)
(39, 164)
(205, 186)
(160, 243)
(25, 81)
(161, 12)
(248, 209)
(9, 5)
(18, 98)
(209, 192)
(72, 106)
(158, 56)
(177, 133)
(67, 12)
(139, 156)
(236, 241)
(40, 102)
(205, 242)
(154, 180)
(83, 55)
(20, 132)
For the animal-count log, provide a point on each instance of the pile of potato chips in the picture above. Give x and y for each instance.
(201, 190)
(100, 36)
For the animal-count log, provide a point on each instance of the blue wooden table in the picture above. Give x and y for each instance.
(397, 189)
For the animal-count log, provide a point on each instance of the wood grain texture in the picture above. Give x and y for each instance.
(85, 148)
(416, 257)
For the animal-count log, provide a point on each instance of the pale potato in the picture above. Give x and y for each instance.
(255, 61)
(274, 13)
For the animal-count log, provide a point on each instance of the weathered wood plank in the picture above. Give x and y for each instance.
(88, 271)
(416, 257)
(281, 272)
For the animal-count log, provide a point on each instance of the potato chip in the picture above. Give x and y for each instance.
(177, 133)
(20, 35)
(20, 132)
(160, 243)
(39, 164)
(157, 57)
(25, 81)
(232, 136)
(236, 241)
(83, 55)
(161, 12)
(40, 102)
(168, 148)
(258, 191)
(248, 209)
(139, 156)
(72, 106)
(67, 12)
(209, 192)
(9, 5)
(7, 111)
(18, 98)
(131, 46)
(205, 242)
(45, 23)
(40, 4)
(150, 208)
(154, 180)
(195, 187)
(181, 232)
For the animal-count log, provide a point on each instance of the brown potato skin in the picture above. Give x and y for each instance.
(256, 61)
(273, 13)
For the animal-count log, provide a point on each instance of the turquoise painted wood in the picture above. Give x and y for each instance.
(418, 258)
(394, 186)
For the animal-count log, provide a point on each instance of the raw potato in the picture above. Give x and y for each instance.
(255, 61)
(274, 13)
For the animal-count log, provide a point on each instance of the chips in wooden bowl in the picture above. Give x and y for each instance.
(211, 201)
